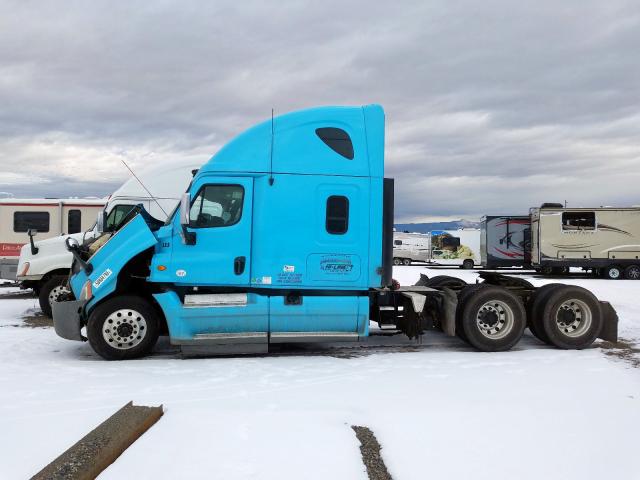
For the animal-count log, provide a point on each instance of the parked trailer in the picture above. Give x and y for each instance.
(45, 267)
(605, 240)
(441, 247)
(286, 235)
(46, 218)
(505, 241)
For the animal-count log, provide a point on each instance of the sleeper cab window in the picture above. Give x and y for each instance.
(217, 206)
(337, 140)
(74, 221)
(337, 221)
(578, 220)
(23, 221)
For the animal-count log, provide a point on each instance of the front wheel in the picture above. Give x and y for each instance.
(123, 328)
(50, 291)
(397, 261)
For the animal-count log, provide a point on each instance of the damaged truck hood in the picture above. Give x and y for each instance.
(132, 239)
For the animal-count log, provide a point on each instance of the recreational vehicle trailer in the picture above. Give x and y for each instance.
(46, 267)
(439, 247)
(46, 218)
(505, 241)
(605, 240)
(286, 235)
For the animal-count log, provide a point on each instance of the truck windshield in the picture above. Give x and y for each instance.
(116, 216)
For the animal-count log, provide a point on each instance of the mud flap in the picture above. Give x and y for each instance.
(448, 317)
(609, 331)
(66, 319)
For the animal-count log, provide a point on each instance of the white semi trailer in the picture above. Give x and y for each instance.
(44, 266)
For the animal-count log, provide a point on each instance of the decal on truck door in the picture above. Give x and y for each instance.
(103, 276)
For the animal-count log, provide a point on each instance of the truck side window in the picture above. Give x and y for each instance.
(337, 222)
(397, 242)
(74, 221)
(23, 221)
(337, 140)
(217, 206)
(578, 220)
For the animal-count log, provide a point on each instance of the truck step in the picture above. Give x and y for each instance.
(302, 337)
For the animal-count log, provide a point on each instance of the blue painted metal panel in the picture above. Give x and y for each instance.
(186, 322)
(318, 314)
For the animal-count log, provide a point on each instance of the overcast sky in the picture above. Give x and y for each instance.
(492, 106)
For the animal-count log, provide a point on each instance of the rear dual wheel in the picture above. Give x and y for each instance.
(565, 316)
(490, 318)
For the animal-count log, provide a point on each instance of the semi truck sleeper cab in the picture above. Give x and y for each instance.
(286, 235)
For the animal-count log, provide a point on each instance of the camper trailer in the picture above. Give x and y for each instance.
(440, 247)
(604, 240)
(43, 218)
(505, 241)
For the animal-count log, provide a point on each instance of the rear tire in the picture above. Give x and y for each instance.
(468, 264)
(613, 272)
(572, 317)
(536, 306)
(50, 291)
(123, 328)
(406, 261)
(493, 319)
(397, 261)
(464, 294)
(632, 272)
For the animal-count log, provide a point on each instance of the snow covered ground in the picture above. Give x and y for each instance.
(439, 409)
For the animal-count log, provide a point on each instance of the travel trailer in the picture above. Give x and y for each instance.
(45, 218)
(441, 247)
(284, 236)
(605, 240)
(505, 241)
(46, 267)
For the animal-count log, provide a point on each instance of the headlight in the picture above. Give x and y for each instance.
(25, 269)
(86, 293)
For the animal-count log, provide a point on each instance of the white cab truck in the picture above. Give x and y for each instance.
(44, 218)
(45, 265)
(439, 247)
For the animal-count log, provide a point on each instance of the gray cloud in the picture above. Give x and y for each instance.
(491, 106)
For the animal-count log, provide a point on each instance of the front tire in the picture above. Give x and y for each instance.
(123, 328)
(50, 291)
(493, 319)
(468, 264)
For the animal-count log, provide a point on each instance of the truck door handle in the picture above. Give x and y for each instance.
(238, 265)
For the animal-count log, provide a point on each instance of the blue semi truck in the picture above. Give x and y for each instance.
(286, 235)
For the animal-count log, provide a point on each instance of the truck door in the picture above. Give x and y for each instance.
(220, 220)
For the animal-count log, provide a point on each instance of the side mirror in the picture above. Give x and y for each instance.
(185, 206)
(72, 244)
(189, 238)
(101, 221)
(74, 247)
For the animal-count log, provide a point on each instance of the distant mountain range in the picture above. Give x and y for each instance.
(429, 227)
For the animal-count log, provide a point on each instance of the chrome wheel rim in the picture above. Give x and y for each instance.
(124, 329)
(56, 292)
(495, 319)
(634, 273)
(574, 318)
(614, 273)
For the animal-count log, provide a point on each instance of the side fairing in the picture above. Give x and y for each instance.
(129, 241)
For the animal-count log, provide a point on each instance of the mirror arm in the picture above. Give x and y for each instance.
(34, 249)
(87, 267)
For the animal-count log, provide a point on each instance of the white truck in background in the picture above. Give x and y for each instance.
(45, 218)
(45, 265)
(439, 247)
